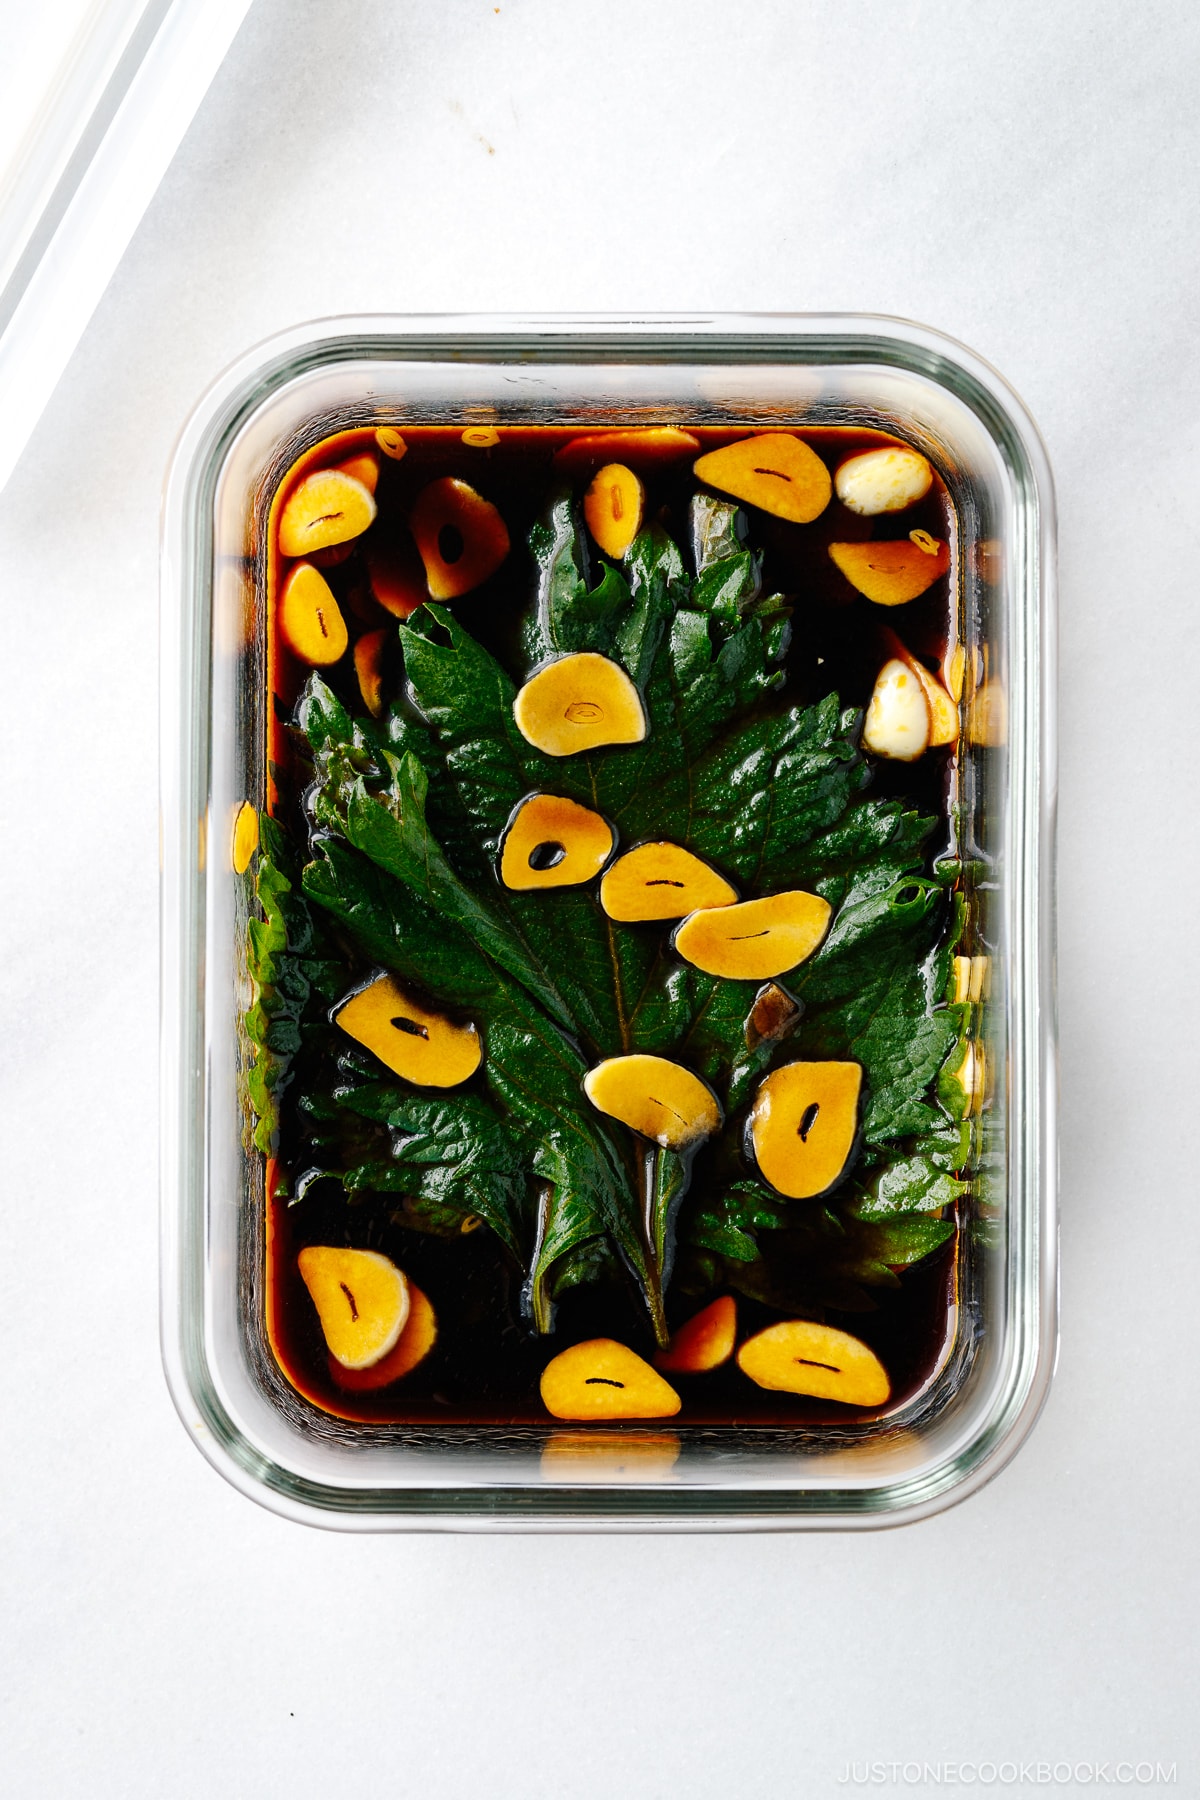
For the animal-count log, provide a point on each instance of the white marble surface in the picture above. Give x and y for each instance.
(1022, 176)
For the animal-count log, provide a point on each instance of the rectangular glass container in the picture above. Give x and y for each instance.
(756, 371)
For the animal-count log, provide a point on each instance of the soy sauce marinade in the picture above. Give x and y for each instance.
(830, 1257)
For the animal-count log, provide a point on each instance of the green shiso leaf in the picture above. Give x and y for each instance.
(294, 974)
(407, 816)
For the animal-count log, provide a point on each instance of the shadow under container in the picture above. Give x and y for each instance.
(757, 372)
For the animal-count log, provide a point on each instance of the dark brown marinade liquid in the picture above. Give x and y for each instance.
(485, 1365)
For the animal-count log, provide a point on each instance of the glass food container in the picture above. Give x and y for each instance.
(992, 1370)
